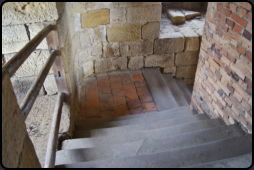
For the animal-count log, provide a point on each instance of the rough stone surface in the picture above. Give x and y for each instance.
(97, 5)
(170, 43)
(95, 18)
(75, 7)
(50, 85)
(176, 17)
(190, 14)
(93, 52)
(136, 62)
(171, 70)
(135, 48)
(111, 49)
(28, 157)
(143, 14)
(33, 64)
(117, 16)
(189, 81)
(14, 33)
(131, 4)
(14, 13)
(151, 30)
(191, 39)
(126, 32)
(88, 69)
(186, 58)
(99, 34)
(110, 64)
(39, 120)
(13, 126)
(87, 37)
(13, 47)
(22, 85)
(186, 71)
(166, 60)
(34, 29)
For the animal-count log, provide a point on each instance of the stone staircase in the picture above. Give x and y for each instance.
(175, 136)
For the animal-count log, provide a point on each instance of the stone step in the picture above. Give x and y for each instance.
(126, 122)
(184, 89)
(176, 17)
(136, 136)
(147, 146)
(207, 152)
(91, 122)
(242, 161)
(160, 92)
(190, 14)
(149, 125)
(173, 87)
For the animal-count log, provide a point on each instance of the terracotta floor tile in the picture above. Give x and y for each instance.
(113, 79)
(133, 103)
(127, 80)
(138, 110)
(92, 95)
(142, 90)
(103, 83)
(148, 106)
(129, 87)
(141, 83)
(92, 103)
(118, 93)
(121, 111)
(116, 85)
(131, 95)
(107, 114)
(145, 98)
(105, 90)
(119, 101)
(92, 112)
(137, 77)
(91, 88)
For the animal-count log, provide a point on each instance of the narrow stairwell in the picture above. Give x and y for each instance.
(175, 136)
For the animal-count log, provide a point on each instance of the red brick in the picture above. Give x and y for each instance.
(118, 93)
(140, 83)
(119, 101)
(217, 45)
(243, 119)
(92, 103)
(131, 95)
(248, 71)
(146, 98)
(91, 88)
(133, 103)
(242, 11)
(224, 51)
(103, 83)
(234, 35)
(220, 32)
(247, 44)
(148, 106)
(235, 76)
(238, 28)
(113, 79)
(219, 104)
(241, 49)
(92, 95)
(218, 74)
(231, 58)
(142, 90)
(247, 34)
(223, 10)
(208, 16)
(235, 102)
(245, 5)
(227, 37)
(248, 81)
(228, 101)
(249, 15)
(241, 91)
(249, 55)
(245, 105)
(116, 85)
(222, 18)
(242, 84)
(232, 50)
(129, 87)
(249, 128)
(225, 4)
(249, 90)
(230, 88)
(228, 70)
(92, 112)
(216, 14)
(134, 111)
(230, 22)
(105, 90)
(232, 7)
(137, 77)
(238, 19)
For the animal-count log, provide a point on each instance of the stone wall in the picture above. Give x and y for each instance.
(21, 21)
(223, 82)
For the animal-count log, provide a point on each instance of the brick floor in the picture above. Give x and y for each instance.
(115, 94)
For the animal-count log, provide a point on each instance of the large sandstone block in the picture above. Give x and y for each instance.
(99, 34)
(136, 62)
(86, 37)
(143, 14)
(110, 64)
(186, 71)
(14, 13)
(190, 14)
(186, 58)
(93, 52)
(135, 48)
(50, 85)
(111, 49)
(166, 60)
(176, 17)
(22, 85)
(126, 32)
(169, 43)
(117, 16)
(95, 18)
(151, 30)
(33, 64)
(14, 33)
(34, 29)
(88, 69)
(75, 7)
(171, 69)
(13, 125)
(96, 5)
(13, 47)
(191, 39)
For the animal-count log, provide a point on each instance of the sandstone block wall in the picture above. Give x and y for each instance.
(223, 82)
(21, 21)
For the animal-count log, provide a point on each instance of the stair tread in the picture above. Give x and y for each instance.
(181, 101)
(208, 152)
(160, 92)
(149, 114)
(126, 122)
(123, 127)
(135, 136)
(242, 161)
(184, 89)
(147, 146)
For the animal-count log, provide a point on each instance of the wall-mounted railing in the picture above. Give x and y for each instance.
(55, 62)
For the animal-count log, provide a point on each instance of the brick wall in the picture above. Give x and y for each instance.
(223, 82)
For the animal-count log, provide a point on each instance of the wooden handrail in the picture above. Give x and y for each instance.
(33, 92)
(17, 60)
(53, 134)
